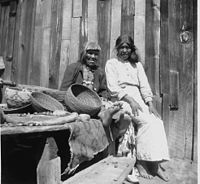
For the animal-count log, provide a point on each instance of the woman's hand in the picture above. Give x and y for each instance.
(134, 105)
(135, 108)
(153, 110)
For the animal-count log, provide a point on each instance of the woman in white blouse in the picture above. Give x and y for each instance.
(127, 81)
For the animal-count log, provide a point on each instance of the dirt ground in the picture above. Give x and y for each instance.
(180, 172)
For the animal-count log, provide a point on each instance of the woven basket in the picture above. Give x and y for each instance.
(81, 99)
(16, 97)
(42, 102)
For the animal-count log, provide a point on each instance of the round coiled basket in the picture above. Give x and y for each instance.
(82, 99)
(42, 102)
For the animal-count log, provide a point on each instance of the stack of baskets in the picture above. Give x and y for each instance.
(81, 99)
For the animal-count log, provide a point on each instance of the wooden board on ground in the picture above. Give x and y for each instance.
(111, 170)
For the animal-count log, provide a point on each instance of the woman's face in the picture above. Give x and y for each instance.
(91, 57)
(124, 51)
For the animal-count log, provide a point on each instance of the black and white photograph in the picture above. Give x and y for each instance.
(99, 91)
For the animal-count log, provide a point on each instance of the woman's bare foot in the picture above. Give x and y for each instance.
(107, 114)
(143, 169)
(159, 171)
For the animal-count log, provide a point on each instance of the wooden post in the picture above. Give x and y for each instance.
(49, 167)
(115, 23)
(104, 33)
(66, 36)
(92, 20)
(139, 34)
(44, 70)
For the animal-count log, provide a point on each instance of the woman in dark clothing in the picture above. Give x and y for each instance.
(87, 71)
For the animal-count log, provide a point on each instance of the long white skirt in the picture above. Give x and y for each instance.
(151, 142)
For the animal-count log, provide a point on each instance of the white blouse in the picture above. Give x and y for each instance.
(121, 74)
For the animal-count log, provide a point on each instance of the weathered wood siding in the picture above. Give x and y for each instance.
(40, 38)
(177, 71)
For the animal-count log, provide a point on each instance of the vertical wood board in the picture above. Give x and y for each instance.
(49, 166)
(139, 32)
(11, 30)
(92, 20)
(66, 36)
(19, 47)
(195, 113)
(84, 24)
(64, 61)
(187, 70)
(1, 26)
(55, 43)
(127, 19)
(66, 19)
(44, 70)
(77, 8)
(25, 40)
(6, 43)
(115, 24)
(37, 42)
(104, 24)
(176, 133)
(2, 30)
(164, 49)
(46, 46)
(156, 43)
(30, 38)
(150, 59)
(15, 65)
(75, 40)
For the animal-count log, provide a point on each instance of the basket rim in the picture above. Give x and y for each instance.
(72, 102)
(92, 91)
(17, 109)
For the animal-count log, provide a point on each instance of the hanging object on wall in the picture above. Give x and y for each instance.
(185, 35)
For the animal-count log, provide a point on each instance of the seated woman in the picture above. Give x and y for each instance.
(128, 82)
(87, 71)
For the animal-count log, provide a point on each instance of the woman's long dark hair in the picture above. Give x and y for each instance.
(134, 58)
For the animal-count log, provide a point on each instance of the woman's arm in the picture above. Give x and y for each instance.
(134, 105)
(103, 90)
(152, 109)
(144, 84)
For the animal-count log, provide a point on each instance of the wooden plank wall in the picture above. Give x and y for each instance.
(49, 34)
(42, 37)
(177, 71)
